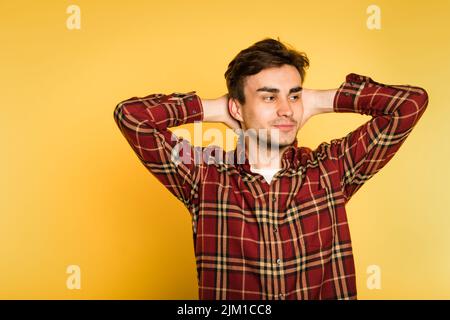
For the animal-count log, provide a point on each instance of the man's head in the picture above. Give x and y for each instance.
(264, 85)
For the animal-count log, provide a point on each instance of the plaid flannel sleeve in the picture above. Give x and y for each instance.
(144, 122)
(395, 110)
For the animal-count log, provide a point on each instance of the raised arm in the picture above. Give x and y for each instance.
(395, 110)
(144, 122)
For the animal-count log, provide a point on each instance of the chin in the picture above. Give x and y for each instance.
(284, 142)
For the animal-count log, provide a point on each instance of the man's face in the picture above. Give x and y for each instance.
(273, 101)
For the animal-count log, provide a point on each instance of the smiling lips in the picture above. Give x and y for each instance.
(285, 127)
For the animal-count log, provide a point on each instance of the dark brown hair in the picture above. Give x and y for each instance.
(263, 54)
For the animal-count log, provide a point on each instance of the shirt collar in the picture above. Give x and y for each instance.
(290, 158)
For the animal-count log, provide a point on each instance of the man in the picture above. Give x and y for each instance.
(275, 227)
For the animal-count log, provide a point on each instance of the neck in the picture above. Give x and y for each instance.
(263, 157)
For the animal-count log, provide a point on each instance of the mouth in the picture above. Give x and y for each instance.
(285, 127)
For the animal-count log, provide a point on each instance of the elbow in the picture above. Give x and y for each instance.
(420, 98)
(424, 98)
(118, 111)
(421, 103)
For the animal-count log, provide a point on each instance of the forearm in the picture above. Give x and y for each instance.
(401, 103)
(213, 110)
(324, 100)
(151, 111)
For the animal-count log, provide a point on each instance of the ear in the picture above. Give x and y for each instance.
(235, 109)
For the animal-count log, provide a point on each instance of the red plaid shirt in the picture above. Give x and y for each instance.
(288, 239)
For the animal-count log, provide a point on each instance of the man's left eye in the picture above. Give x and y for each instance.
(295, 97)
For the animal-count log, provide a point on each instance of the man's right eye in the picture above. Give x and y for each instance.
(267, 98)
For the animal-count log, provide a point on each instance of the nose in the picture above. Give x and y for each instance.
(285, 109)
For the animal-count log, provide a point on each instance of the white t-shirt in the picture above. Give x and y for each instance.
(266, 173)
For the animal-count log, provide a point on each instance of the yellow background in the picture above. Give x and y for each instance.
(73, 192)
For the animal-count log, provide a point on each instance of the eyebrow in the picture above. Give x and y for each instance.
(276, 90)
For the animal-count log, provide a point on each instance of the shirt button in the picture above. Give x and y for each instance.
(274, 198)
(346, 94)
(275, 230)
(279, 261)
(281, 295)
